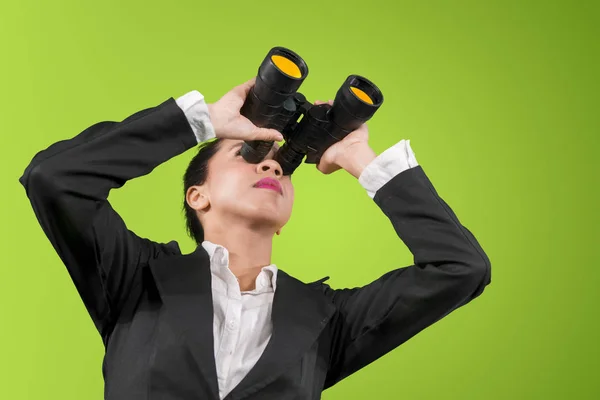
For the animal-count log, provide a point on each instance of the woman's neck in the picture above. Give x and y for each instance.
(249, 251)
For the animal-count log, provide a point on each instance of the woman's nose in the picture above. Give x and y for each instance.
(269, 165)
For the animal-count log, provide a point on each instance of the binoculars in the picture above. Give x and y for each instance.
(274, 102)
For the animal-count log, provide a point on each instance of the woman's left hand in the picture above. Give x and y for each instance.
(352, 153)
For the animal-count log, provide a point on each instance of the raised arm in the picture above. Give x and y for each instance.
(450, 267)
(68, 185)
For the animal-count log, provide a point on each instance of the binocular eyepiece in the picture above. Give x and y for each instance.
(274, 102)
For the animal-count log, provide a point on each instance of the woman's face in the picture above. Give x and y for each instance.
(231, 187)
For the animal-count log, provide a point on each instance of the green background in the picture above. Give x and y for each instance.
(499, 100)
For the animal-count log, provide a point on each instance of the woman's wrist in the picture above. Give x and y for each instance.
(356, 157)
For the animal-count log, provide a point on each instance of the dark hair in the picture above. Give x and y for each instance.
(196, 174)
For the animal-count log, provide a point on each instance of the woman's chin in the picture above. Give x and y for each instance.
(265, 216)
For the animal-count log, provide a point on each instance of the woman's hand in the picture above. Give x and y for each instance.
(230, 124)
(352, 153)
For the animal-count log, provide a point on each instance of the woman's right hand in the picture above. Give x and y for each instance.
(230, 124)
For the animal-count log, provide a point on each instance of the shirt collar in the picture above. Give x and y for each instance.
(219, 264)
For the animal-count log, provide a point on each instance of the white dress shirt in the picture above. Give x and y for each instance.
(242, 320)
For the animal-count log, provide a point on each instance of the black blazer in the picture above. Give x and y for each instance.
(153, 306)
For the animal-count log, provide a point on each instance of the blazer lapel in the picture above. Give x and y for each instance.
(184, 284)
(299, 315)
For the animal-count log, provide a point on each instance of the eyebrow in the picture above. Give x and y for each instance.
(239, 144)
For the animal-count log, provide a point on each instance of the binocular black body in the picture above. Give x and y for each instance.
(274, 102)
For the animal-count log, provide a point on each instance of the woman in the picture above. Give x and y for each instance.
(223, 322)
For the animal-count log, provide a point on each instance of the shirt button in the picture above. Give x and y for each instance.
(231, 324)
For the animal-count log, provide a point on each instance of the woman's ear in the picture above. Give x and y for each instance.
(278, 232)
(196, 198)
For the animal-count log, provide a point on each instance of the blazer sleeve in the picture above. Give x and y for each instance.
(450, 269)
(68, 185)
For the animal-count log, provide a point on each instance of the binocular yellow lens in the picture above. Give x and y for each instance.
(361, 95)
(286, 66)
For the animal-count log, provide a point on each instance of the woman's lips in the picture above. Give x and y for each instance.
(269, 183)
